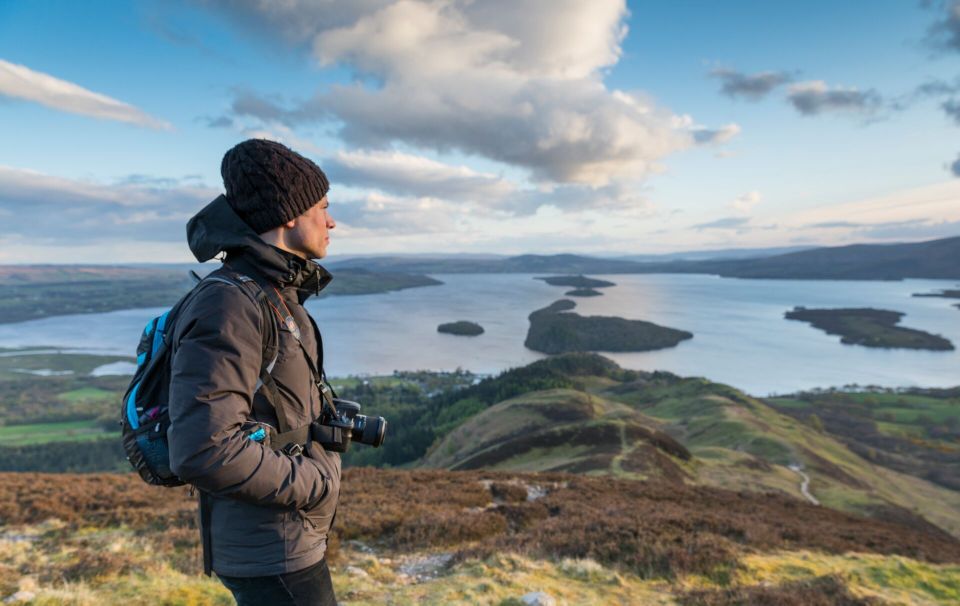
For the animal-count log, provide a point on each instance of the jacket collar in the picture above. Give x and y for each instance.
(217, 228)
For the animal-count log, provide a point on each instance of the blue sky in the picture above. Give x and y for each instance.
(491, 126)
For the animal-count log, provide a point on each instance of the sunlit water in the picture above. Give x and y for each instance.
(740, 335)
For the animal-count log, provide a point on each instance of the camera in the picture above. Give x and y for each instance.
(336, 432)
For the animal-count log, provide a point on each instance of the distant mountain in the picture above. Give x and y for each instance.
(714, 255)
(564, 263)
(934, 259)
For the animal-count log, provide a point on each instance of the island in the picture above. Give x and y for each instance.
(869, 327)
(553, 331)
(583, 292)
(580, 281)
(462, 328)
(946, 294)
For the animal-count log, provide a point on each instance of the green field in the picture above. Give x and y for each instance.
(43, 433)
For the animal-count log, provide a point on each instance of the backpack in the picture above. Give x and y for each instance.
(145, 416)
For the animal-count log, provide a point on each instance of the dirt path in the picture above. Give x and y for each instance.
(805, 484)
(625, 449)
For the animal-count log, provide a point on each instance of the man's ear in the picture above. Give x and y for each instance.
(290, 224)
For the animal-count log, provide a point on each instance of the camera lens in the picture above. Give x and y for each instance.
(369, 430)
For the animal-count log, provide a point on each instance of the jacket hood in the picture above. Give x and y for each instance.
(217, 228)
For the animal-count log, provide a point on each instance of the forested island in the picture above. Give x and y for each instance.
(553, 330)
(869, 327)
(462, 327)
(583, 292)
(34, 292)
(946, 294)
(580, 281)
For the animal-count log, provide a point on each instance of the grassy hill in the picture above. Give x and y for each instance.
(561, 430)
(602, 419)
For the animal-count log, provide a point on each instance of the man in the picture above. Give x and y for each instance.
(265, 512)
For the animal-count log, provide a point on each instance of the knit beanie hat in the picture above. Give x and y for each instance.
(269, 184)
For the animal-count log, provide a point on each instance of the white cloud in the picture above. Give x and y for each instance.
(54, 210)
(746, 202)
(518, 83)
(21, 82)
(412, 175)
(407, 177)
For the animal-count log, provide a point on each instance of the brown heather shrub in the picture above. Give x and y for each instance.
(508, 492)
(821, 591)
(92, 564)
(652, 528)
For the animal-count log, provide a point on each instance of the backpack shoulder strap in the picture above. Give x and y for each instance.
(271, 335)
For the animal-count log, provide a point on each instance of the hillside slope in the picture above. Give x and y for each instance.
(658, 425)
(561, 430)
(479, 537)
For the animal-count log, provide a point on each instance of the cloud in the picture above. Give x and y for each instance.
(408, 178)
(517, 83)
(725, 223)
(20, 82)
(915, 229)
(929, 211)
(815, 97)
(752, 87)
(53, 210)
(411, 175)
(937, 88)
(955, 167)
(221, 122)
(376, 213)
(952, 108)
(746, 202)
(715, 135)
(945, 32)
(835, 224)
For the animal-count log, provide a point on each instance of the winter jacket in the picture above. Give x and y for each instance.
(270, 512)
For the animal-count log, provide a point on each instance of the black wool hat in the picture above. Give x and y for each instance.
(269, 184)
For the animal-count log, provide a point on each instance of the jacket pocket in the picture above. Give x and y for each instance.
(319, 515)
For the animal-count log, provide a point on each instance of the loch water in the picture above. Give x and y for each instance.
(740, 335)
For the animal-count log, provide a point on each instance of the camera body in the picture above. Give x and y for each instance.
(335, 432)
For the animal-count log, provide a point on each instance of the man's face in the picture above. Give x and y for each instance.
(310, 235)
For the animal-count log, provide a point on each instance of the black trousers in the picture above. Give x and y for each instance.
(308, 587)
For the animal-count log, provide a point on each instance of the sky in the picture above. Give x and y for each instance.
(596, 127)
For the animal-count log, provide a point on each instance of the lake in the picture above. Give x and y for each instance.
(740, 335)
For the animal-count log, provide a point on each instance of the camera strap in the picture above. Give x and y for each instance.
(288, 438)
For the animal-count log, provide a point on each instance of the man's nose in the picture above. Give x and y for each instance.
(330, 222)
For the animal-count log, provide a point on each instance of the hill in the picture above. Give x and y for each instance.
(581, 412)
(31, 292)
(933, 259)
(561, 430)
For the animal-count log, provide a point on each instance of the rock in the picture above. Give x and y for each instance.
(357, 572)
(538, 598)
(21, 596)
